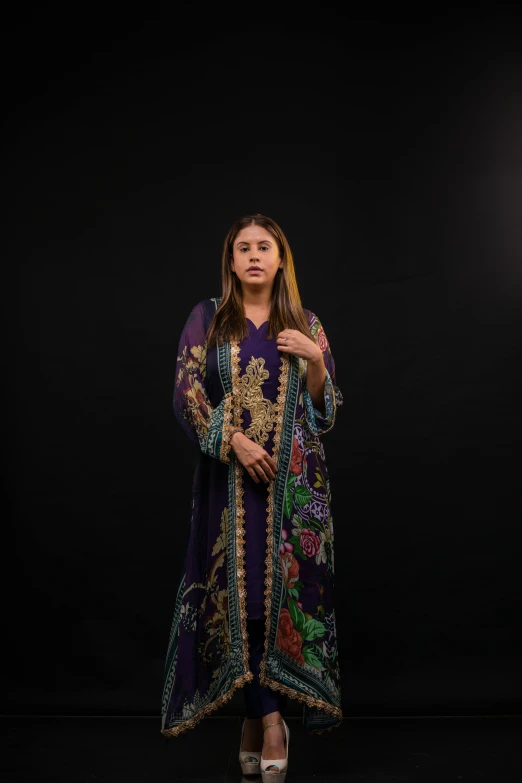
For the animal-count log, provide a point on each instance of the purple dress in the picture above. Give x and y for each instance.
(235, 542)
(260, 361)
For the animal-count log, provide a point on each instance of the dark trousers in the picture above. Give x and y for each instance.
(259, 700)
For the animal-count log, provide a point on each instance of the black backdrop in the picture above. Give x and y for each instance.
(390, 153)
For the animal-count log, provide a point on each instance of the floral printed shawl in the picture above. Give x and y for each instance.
(207, 656)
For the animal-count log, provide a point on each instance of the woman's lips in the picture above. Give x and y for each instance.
(254, 271)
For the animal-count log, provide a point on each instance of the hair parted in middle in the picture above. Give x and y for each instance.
(286, 310)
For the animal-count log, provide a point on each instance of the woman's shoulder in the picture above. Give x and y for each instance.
(310, 316)
(205, 304)
(211, 302)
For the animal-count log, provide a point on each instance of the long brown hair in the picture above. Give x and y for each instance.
(286, 310)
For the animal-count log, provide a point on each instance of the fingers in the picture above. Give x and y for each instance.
(271, 468)
(259, 464)
(253, 475)
(261, 473)
(264, 471)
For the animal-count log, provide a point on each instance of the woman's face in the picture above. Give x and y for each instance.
(253, 247)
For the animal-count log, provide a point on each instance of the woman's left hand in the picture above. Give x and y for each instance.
(298, 344)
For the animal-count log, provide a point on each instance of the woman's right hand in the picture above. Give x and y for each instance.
(257, 461)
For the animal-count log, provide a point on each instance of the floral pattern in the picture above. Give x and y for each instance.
(289, 640)
(213, 606)
(303, 634)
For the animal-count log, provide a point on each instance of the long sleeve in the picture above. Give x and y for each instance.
(333, 398)
(204, 425)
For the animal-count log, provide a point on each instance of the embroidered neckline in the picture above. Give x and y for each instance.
(257, 328)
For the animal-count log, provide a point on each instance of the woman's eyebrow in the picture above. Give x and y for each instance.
(261, 242)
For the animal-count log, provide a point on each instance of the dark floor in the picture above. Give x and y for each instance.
(366, 750)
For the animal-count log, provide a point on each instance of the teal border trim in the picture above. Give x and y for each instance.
(318, 423)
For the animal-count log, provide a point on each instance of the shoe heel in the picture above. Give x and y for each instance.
(273, 777)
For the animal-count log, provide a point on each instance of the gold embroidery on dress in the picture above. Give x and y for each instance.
(262, 410)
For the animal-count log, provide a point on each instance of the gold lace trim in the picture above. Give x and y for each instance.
(224, 455)
(309, 700)
(214, 705)
(240, 508)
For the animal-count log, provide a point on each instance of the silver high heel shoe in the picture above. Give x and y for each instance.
(274, 770)
(249, 759)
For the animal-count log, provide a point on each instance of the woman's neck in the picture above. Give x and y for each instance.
(260, 301)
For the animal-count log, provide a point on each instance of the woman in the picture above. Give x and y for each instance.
(255, 389)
